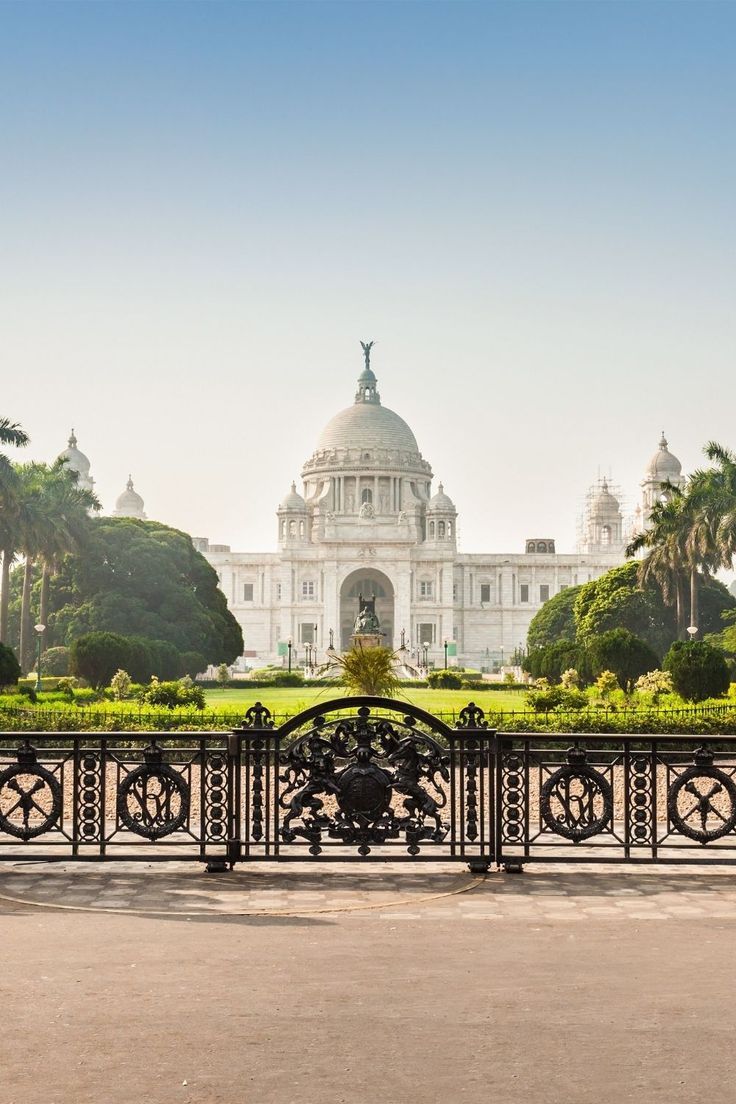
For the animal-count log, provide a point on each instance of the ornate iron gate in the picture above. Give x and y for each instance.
(367, 779)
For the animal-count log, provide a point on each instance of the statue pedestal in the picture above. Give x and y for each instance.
(366, 640)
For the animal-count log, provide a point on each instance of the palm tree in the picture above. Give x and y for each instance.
(666, 561)
(66, 508)
(10, 434)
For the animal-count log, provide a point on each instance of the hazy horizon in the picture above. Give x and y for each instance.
(528, 207)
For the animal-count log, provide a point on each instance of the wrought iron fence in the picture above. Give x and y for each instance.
(367, 779)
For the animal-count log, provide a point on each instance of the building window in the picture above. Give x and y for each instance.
(454, 592)
(307, 633)
(449, 529)
(307, 589)
(425, 588)
(426, 633)
(278, 592)
(247, 592)
(485, 592)
(441, 530)
(524, 592)
(366, 495)
(544, 592)
(606, 535)
(431, 530)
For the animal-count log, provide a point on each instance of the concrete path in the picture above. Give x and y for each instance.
(332, 985)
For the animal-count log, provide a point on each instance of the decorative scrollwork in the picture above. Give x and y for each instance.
(576, 801)
(701, 802)
(153, 799)
(258, 716)
(30, 797)
(471, 716)
(340, 780)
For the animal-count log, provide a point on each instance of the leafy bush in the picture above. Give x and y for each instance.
(369, 671)
(120, 684)
(223, 675)
(618, 650)
(606, 684)
(9, 667)
(444, 680)
(193, 663)
(55, 661)
(550, 661)
(544, 698)
(282, 677)
(570, 679)
(174, 694)
(698, 670)
(654, 684)
(98, 655)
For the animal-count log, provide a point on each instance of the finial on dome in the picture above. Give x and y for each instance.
(663, 441)
(367, 392)
(72, 439)
(129, 484)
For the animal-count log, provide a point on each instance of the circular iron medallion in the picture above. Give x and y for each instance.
(30, 800)
(702, 803)
(153, 801)
(576, 802)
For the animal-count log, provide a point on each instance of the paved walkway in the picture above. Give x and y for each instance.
(338, 984)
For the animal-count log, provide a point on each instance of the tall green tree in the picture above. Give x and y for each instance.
(10, 434)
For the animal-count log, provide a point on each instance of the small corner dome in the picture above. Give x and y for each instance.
(663, 465)
(603, 502)
(75, 459)
(293, 500)
(129, 503)
(441, 501)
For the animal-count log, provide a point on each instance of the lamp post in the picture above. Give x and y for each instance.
(425, 649)
(445, 655)
(289, 646)
(40, 630)
(692, 630)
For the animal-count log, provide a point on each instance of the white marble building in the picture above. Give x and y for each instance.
(367, 521)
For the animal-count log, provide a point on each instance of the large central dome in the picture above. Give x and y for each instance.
(366, 424)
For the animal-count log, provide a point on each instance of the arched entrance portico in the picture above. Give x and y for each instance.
(367, 581)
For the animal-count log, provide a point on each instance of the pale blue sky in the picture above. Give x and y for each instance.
(529, 207)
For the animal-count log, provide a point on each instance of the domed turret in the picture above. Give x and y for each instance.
(440, 502)
(603, 504)
(663, 467)
(129, 504)
(292, 515)
(293, 500)
(603, 521)
(77, 462)
(441, 517)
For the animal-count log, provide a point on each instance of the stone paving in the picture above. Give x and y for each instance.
(344, 984)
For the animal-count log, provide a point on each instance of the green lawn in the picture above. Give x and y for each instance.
(292, 699)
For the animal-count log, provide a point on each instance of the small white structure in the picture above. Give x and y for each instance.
(77, 462)
(129, 504)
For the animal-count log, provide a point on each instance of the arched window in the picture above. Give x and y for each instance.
(301, 528)
(449, 529)
(541, 546)
(292, 528)
(366, 495)
(606, 534)
(441, 530)
(283, 529)
(431, 530)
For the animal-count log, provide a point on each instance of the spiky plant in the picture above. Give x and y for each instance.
(368, 671)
